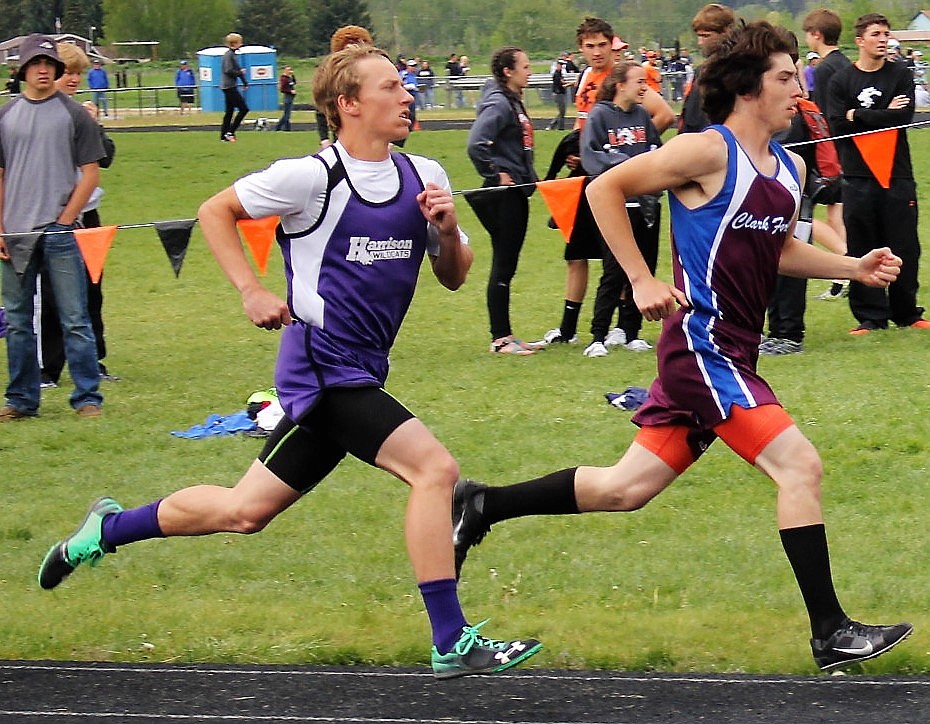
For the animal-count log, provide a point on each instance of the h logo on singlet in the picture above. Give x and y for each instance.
(358, 250)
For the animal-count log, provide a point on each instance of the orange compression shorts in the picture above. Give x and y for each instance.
(747, 432)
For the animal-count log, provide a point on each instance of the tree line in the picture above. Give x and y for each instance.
(428, 27)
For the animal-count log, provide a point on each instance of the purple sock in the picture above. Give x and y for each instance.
(445, 613)
(133, 525)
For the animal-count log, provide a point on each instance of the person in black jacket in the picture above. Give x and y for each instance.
(53, 344)
(12, 85)
(822, 28)
(710, 25)
(789, 301)
(872, 94)
(559, 91)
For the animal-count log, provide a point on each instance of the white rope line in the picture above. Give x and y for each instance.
(915, 124)
(854, 135)
(40, 232)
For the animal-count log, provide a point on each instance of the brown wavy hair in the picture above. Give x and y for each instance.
(737, 65)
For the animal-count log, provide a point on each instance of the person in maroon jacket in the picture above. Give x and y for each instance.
(287, 84)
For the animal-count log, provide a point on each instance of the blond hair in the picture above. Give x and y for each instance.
(338, 76)
(232, 38)
(73, 57)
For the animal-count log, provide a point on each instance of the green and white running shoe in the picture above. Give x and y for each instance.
(85, 545)
(474, 654)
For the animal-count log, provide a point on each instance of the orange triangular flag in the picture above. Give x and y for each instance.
(877, 150)
(562, 196)
(259, 235)
(94, 244)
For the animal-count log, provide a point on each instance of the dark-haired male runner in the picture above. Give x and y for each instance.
(734, 198)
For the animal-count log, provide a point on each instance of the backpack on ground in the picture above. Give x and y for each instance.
(825, 178)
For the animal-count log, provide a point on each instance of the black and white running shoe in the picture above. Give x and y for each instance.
(468, 526)
(853, 642)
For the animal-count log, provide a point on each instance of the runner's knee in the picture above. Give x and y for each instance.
(802, 471)
(437, 470)
(249, 520)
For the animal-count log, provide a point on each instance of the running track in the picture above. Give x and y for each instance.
(66, 692)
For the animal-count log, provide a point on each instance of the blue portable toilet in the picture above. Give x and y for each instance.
(261, 70)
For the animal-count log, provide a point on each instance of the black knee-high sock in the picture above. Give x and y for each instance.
(570, 319)
(552, 494)
(806, 548)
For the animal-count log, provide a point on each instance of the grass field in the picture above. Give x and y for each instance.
(697, 581)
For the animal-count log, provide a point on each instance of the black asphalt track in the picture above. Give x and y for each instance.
(67, 692)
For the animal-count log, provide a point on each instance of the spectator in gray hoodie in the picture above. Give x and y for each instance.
(232, 73)
(500, 146)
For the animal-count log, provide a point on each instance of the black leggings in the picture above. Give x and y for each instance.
(614, 291)
(505, 215)
(234, 101)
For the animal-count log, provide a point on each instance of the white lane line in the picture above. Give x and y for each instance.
(525, 675)
(96, 715)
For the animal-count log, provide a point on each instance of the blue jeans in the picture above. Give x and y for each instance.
(101, 100)
(284, 123)
(60, 255)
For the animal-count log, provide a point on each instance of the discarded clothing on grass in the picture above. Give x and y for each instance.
(264, 408)
(218, 425)
(631, 398)
(269, 416)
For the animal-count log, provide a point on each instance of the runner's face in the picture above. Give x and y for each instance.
(780, 92)
(382, 101)
(596, 51)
